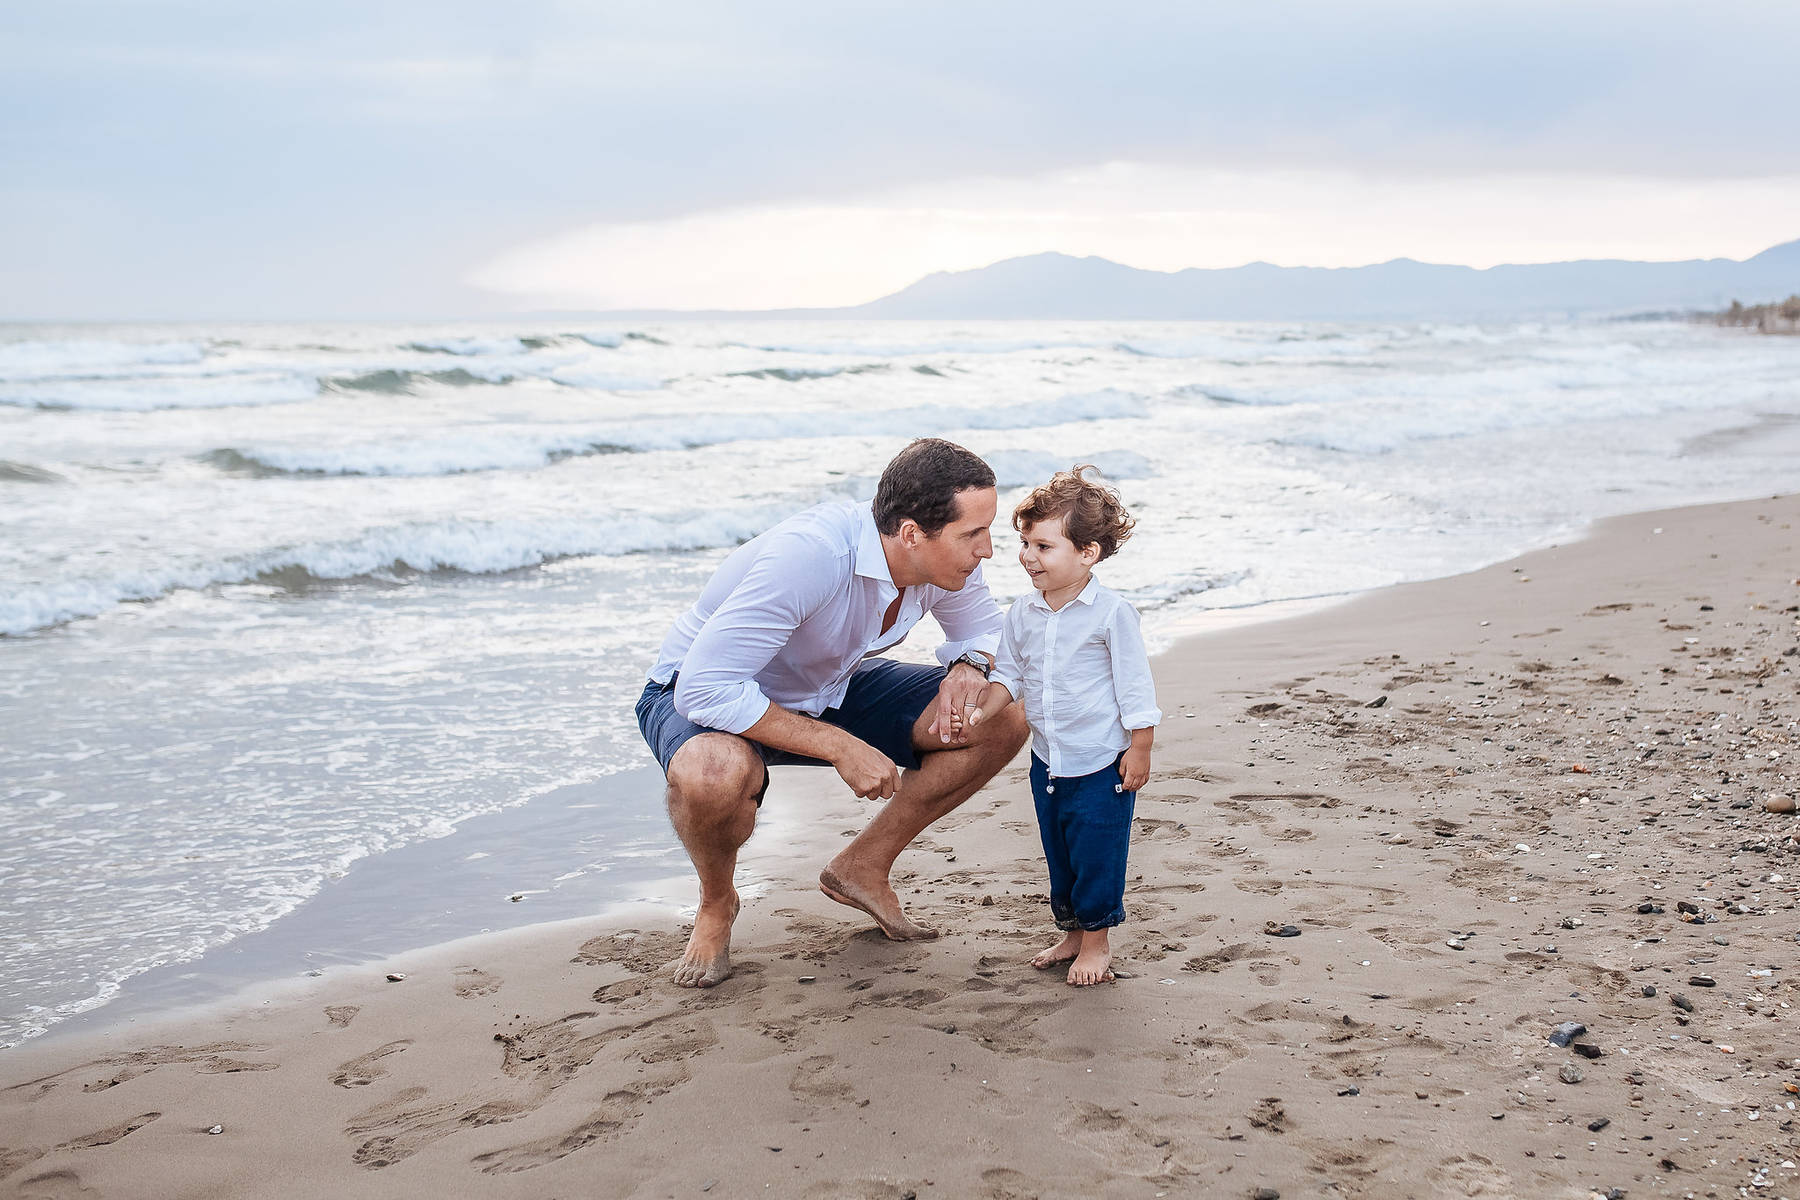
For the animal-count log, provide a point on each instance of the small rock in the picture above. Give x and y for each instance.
(516, 897)
(1779, 804)
(1572, 922)
(1646, 909)
(1567, 1032)
(1499, 1116)
(1570, 1073)
(1377, 702)
(1649, 989)
(1352, 1090)
(987, 902)
(1598, 1123)
(808, 978)
(1455, 945)
(216, 1129)
(1686, 906)
(1682, 1002)
(1274, 930)
(396, 977)
(1265, 1193)
(1702, 981)
(1587, 1050)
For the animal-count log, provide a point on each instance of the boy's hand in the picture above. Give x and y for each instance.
(1134, 768)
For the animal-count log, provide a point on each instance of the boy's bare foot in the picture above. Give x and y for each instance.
(1062, 952)
(1094, 963)
(873, 896)
(707, 960)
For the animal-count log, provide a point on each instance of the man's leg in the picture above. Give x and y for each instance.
(946, 776)
(714, 780)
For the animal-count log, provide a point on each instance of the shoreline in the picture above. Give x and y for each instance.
(331, 929)
(1482, 799)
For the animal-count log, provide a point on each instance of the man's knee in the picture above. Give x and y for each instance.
(714, 774)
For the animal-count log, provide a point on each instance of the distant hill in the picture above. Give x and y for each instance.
(1058, 286)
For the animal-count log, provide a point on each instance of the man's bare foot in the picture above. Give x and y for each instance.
(1062, 952)
(707, 960)
(876, 899)
(1094, 963)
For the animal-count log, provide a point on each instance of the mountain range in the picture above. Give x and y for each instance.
(1054, 286)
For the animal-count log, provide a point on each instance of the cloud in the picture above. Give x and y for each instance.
(398, 143)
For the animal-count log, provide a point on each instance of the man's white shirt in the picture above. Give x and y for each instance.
(1082, 674)
(789, 615)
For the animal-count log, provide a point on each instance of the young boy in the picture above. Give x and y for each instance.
(1071, 651)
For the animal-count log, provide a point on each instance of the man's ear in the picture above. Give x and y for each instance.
(909, 533)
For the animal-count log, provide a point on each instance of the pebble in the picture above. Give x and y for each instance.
(1648, 909)
(1572, 922)
(395, 977)
(1598, 1123)
(987, 902)
(808, 978)
(1779, 804)
(1681, 1002)
(216, 1129)
(1686, 906)
(1352, 1090)
(1649, 989)
(1455, 945)
(1274, 930)
(1587, 1050)
(1567, 1032)
(1265, 1193)
(1702, 981)
(1570, 1073)
(1499, 1116)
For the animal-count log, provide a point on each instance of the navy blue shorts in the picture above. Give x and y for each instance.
(881, 707)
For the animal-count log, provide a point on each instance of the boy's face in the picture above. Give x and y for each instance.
(1055, 564)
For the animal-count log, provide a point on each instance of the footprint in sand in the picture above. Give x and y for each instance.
(53, 1185)
(473, 981)
(1122, 1144)
(111, 1134)
(543, 1150)
(362, 1071)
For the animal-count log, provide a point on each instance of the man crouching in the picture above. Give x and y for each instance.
(776, 663)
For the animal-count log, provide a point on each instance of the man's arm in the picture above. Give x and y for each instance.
(867, 771)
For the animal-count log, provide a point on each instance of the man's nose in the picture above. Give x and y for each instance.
(984, 546)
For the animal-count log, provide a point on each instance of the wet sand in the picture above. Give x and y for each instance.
(1487, 804)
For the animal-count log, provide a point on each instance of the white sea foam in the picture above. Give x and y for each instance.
(472, 547)
(36, 360)
(468, 346)
(153, 392)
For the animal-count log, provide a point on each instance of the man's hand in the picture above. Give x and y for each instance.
(961, 689)
(869, 773)
(1134, 768)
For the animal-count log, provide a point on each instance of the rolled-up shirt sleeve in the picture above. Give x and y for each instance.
(971, 620)
(1009, 672)
(1132, 682)
(792, 577)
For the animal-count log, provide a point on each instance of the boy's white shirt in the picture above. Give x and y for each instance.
(1082, 674)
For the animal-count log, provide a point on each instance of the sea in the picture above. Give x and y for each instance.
(336, 628)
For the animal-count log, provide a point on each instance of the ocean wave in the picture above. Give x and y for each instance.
(154, 392)
(445, 547)
(36, 360)
(468, 347)
(802, 374)
(526, 447)
(18, 472)
(1028, 468)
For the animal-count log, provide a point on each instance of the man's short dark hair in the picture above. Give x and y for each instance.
(922, 483)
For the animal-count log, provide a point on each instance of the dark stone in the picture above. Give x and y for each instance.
(1567, 1032)
(1649, 989)
(1682, 1002)
(1377, 702)
(1352, 1090)
(1686, 906)
(1587, 1050)
(1598, 1123)
(1702, 981)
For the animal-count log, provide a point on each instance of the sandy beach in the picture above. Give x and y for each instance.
(1535, 794)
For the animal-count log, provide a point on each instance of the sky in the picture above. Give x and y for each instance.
(196, 159)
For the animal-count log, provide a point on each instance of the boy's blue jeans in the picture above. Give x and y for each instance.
(1086, 826)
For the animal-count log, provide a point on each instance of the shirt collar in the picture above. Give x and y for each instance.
(871, 556)
(1086, 595)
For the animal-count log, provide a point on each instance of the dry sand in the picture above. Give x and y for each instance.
(1463, 793)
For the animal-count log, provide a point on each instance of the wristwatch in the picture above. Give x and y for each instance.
(978, 661)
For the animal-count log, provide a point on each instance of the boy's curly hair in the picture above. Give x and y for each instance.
(1091, 512)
